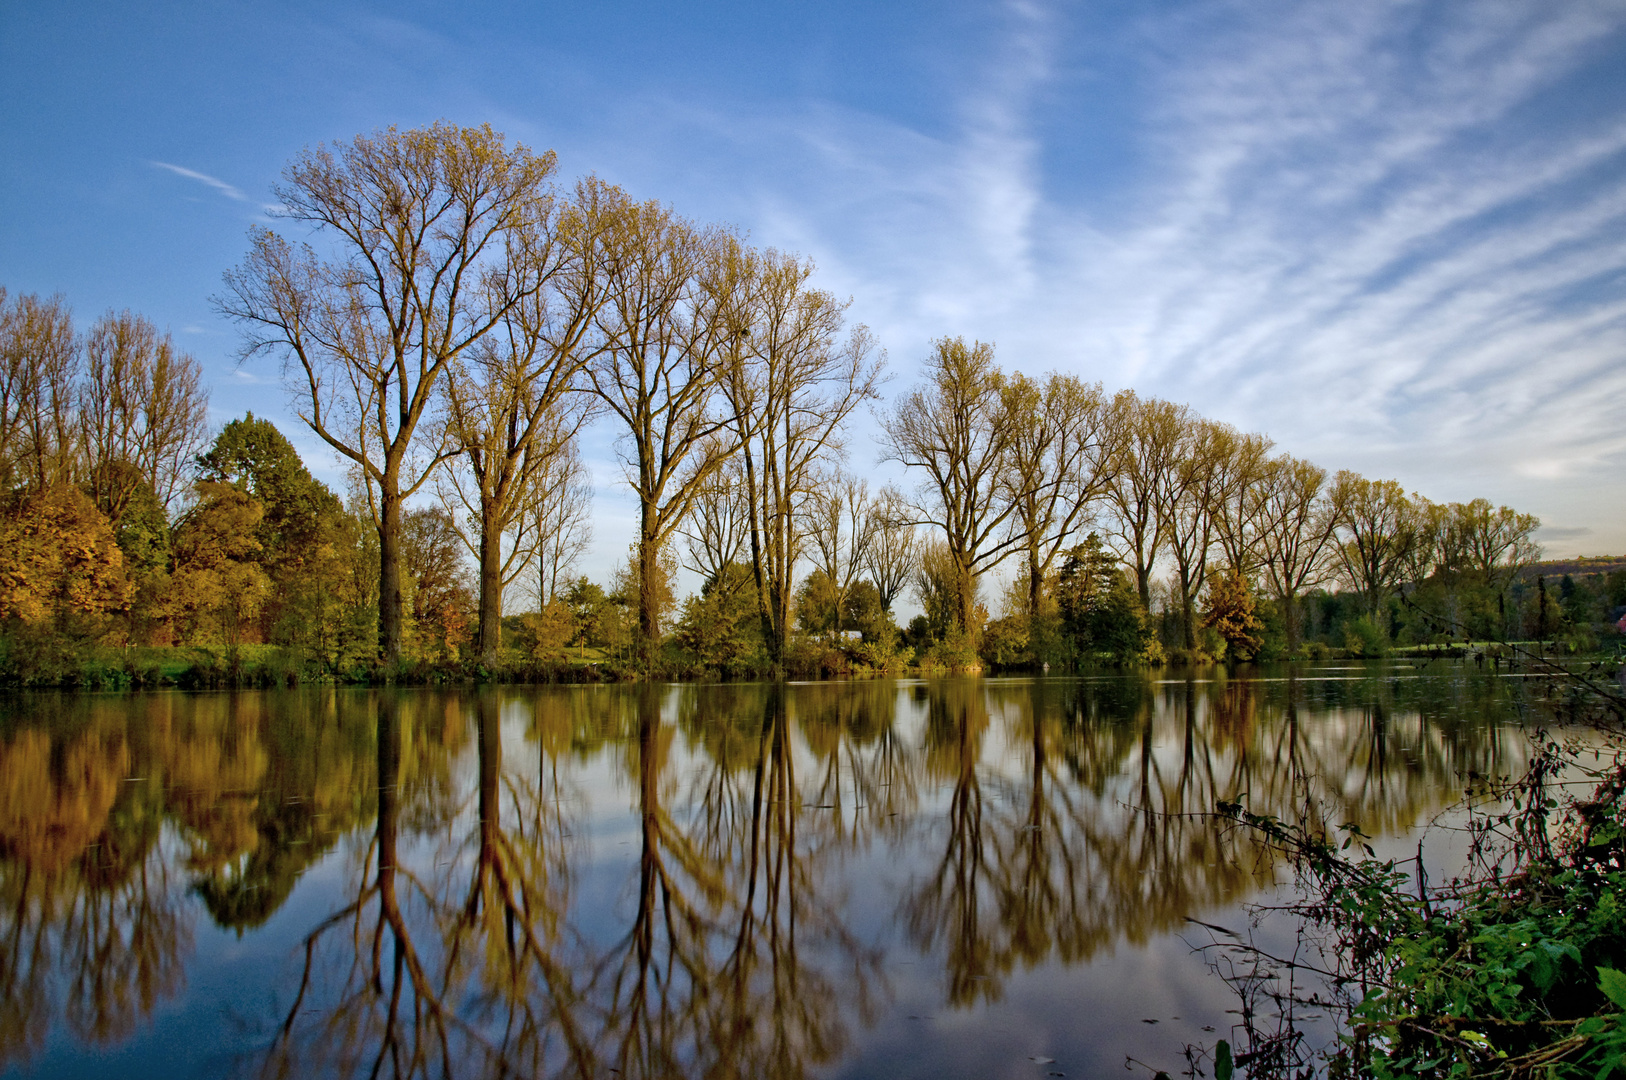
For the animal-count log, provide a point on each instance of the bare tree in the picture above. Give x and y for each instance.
(659, 371)
(1241, 507)
(1186, 499)
(1297, 537)
(1430, 542)
(1150, 433)
(39, 365)
(958, 429)
(428, 258)
(841, 525)
(792, 383)
(143, 405)
(718, 526)
(559, 506)
(1378, 528)
(545, 506)
(1493, 544)
(1063, 456)
(513, 399)
(891, 555)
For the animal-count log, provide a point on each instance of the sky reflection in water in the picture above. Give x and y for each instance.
(918, 878)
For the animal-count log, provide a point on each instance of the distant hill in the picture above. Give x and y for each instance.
(1582, 564)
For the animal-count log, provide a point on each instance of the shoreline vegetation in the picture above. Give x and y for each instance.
(46, 665)
(1513, 968)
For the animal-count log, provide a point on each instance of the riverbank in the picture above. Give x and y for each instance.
(45, 664)
(1516, 968)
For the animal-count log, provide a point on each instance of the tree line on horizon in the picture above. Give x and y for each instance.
(459, 318)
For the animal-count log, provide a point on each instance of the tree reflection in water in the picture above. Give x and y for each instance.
(1032, 822)
(432, 978)
(1106, 835)
(91, 925)
(720, 973)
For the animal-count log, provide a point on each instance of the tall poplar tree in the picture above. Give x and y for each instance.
(426, 253)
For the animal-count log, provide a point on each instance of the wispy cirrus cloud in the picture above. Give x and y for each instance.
(228, 190)
(1381, 233)
(1371, 245)
(1391, 235)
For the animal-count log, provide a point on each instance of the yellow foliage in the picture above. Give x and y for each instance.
(49, 816)
(215, 591)
(546, 633)
(1231, 612)
(58, 556)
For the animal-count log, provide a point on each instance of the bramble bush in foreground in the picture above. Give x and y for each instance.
(1517, 970)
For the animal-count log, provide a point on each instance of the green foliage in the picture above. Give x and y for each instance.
(329, 608)
(721, 628)
(1515, 976)
(1101, 612)
(1364, 637)
(142, 532)
(955, 652)
(1515, 972)
(253, 456)
(816, 603)
(918, 634)
(1615, 588)
(321, 559)
(1006, 642)
(593, 614)
(217, 587)
(862, 611)
(545, 634)
(439, 594)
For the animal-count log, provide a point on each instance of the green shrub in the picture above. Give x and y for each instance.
(1364, 637)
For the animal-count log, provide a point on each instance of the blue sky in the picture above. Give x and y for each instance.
(1392, 236)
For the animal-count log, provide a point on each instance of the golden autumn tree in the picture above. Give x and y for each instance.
(217, 589)
(59, 561)
(426, 247)
(1230, 610)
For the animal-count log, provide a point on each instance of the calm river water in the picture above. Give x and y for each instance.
(965, 878)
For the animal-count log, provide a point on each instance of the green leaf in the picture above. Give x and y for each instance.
(1223, 1066)
(1613, 985)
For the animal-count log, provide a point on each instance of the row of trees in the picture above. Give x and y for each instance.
(466, 318)
(462, 318)
(1052, 471)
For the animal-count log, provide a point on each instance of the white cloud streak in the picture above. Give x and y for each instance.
(219, 185)
(1353, 229)
(1383, 233)
(1378, 259)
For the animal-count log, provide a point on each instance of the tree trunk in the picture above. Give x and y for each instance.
(967, 588)
(490, 583)
(648, 623)
(766, 599)
(390, 608)
(489, 722)
(389, 770)
(1035, 583)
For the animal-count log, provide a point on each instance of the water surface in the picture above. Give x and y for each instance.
(970, 877)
